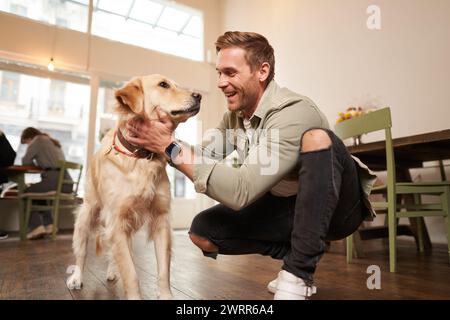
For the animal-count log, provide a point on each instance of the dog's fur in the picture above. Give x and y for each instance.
(124, 193)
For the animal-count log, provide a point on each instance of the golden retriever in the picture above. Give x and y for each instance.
(127, 187)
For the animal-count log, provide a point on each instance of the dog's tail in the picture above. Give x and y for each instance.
(98, 245)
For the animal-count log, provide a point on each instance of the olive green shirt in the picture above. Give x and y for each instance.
(269, 161)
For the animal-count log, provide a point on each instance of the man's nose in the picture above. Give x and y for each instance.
(222, 83)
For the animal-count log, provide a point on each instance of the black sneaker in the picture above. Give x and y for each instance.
(3, 235)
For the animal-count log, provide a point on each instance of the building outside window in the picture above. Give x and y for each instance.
(67, 14)
(10, 87)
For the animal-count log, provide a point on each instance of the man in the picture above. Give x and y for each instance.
(317, 191)
(7, 156)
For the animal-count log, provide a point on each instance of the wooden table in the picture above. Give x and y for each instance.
(17, 174)
(410, 152)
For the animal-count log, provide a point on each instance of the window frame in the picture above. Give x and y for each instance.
(179, 33)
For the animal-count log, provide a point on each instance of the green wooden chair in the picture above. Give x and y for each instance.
(381, 120)
(56, 200)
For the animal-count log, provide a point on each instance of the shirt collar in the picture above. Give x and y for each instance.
(264, 103)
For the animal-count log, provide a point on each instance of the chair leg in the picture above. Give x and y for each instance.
(349, 248)
(442, 170)
(358, 250)
(446, 207)
(392, 227)
(420, 226)
(55, 218)
(22, 218)
(26, 219)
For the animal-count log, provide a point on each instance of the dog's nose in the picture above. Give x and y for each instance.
(197, 96)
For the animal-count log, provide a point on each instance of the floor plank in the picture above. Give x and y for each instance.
(37, 270)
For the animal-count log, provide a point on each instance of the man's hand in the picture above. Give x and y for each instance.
(153, 135)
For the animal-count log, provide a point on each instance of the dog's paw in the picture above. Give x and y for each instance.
(74, 281)
(112, 274)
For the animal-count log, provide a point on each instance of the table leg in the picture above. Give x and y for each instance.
(23, 227)
(442, 170)
(19, 178)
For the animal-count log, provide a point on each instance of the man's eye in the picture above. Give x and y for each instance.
(164, 85)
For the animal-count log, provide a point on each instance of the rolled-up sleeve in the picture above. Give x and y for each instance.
(201, 176)
(214, 148)
(267, 163)
(30, 154)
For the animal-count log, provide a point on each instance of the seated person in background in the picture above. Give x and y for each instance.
(7, 156)
(45, 152)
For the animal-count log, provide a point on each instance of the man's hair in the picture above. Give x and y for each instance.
(258, 49)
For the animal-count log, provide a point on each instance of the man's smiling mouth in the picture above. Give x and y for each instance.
(230, 94)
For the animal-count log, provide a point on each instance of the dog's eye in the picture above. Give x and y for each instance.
(164, 85)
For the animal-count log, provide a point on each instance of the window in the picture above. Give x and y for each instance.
(154, 24)
(106, 101)
(63, 13)
(10, 82)
(57, 97)
(59, 108)
(18, 9)
(160, 25)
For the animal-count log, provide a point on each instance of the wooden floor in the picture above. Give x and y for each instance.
(37, 270)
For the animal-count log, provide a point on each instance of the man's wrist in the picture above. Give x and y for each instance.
(167, 144)
(173, 152)
(164, 151)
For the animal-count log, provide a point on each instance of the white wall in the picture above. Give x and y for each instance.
(325, 51)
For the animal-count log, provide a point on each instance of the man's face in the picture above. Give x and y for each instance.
(236, 80)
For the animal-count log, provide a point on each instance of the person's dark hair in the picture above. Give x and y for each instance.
(258, 49)
(30, 133)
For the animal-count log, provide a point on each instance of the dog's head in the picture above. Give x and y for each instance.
(140, 96)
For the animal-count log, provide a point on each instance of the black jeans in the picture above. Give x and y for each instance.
(328, 206)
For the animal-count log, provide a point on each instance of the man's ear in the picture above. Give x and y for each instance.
(264, 71)
(131, 96)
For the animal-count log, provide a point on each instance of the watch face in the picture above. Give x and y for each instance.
(176, 150)
(173, 150)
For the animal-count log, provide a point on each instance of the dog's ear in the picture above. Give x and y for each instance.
(131, 96)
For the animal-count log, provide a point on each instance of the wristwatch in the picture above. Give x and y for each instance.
(172, 151)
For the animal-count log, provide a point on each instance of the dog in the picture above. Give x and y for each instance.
(127, 187)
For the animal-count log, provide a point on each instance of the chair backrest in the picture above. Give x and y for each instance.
(371, 122)
(64, 180)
